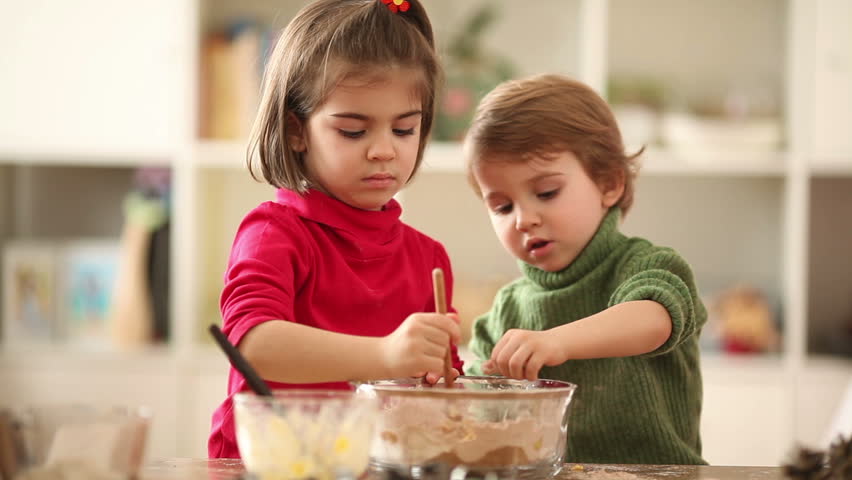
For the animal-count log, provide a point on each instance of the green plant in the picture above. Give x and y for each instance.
(471, 72)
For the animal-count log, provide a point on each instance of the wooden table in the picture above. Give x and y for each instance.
(198, 469)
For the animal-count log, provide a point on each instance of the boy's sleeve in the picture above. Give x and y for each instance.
(664, 277)
(481, 344)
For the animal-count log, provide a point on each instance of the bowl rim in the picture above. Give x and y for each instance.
(84, 411)
(295, 394)
(560, 389)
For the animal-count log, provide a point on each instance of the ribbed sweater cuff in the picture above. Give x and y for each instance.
(668, 290)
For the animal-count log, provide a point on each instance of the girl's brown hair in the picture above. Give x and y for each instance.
(547, 114)
(325, 42)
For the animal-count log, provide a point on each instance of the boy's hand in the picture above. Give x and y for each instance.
(521, 354)
(418, 345)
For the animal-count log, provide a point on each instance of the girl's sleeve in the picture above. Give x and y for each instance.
(263, 273)
(664, 277)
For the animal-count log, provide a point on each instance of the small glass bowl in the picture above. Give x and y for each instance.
(319, 434)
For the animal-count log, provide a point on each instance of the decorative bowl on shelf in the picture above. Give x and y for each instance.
(686, 133)
(75, 441)
(490, 425)
(317, 434)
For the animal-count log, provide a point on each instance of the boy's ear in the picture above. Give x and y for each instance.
(296, 133)
(612, 189)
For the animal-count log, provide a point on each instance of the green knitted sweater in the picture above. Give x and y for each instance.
(640, 409)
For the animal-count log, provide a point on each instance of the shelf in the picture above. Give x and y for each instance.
(220, 153)
(663, 162)
(66, 359)
(723, 363)
(448, 157)
(205, 359)
(829, 363)
(832, 166)
(93, 156)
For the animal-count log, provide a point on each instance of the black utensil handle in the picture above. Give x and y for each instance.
(240, 363)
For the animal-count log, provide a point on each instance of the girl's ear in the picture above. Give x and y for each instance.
(612, 189)
(296, 133)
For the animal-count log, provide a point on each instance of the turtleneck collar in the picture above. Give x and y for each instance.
(605, 240)
(380, 226)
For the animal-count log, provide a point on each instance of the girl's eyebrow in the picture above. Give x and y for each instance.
(361, 116)
(412, 113)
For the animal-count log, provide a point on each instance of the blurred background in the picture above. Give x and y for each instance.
(122, 182)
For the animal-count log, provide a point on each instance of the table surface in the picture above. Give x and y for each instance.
(227, 469)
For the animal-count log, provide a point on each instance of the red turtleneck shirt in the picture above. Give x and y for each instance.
(316, 261)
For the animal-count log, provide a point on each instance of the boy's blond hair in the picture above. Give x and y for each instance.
(327, 42)
(544, 115)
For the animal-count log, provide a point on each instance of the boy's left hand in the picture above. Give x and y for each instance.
(520, 354)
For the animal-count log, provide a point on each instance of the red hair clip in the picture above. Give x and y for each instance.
(397, 5)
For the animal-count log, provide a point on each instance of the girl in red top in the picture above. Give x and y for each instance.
(326, 284)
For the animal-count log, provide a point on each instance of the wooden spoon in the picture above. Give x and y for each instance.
(439, 290)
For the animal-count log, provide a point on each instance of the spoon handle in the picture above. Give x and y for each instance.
(440, 292)
(239, 362)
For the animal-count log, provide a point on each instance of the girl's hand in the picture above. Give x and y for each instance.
(432, 378)
(418, 345)
(520, 354)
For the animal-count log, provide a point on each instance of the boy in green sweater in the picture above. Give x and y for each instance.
(618, 316)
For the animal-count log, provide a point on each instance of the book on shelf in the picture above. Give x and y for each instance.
(87, 281)
(29, 293)
(232, 62)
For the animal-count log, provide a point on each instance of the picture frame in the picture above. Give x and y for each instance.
(30, 303)
(87, 278)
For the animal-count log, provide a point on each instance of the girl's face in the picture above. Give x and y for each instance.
(360, 145)
(545, 210)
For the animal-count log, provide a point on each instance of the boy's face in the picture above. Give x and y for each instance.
(361, 144)
(544, 210)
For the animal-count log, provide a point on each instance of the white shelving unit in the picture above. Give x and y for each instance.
(122, 93)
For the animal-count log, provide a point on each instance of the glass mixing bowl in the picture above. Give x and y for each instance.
(514, 428)
(317, 434)
(68, 440)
